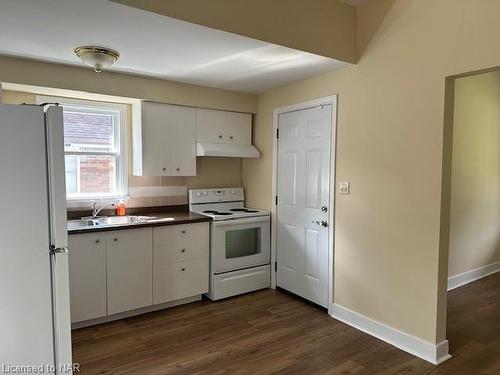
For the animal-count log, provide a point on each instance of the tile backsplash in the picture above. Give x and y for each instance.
(156, 191)
(147, 192)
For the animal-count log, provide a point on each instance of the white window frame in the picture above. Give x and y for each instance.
(121, 154)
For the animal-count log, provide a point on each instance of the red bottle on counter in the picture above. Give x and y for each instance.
(121, 210)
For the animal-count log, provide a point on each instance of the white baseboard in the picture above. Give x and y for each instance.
(472, 275)
(433, 353)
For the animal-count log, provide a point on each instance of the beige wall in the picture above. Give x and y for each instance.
(323, 27)
(475, 189)
(18, 97)
(216, 172)
(27, 72)
(388, 264)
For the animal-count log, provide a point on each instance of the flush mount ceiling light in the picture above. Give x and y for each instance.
(98, 58)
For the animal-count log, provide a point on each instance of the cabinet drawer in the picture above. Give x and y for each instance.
(171, 254)
(181, 236)
(174, 281)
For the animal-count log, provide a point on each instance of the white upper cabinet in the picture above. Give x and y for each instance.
(182, 141)
(167, 140)
(223, 127)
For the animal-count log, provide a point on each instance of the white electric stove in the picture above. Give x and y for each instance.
(240, 241)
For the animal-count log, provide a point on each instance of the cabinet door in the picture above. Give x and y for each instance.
(182, 140)
(155, 139)
(223, 126)
(238, 128)
(129, 269)
(181, 280)
(87, 276)
(210, 125)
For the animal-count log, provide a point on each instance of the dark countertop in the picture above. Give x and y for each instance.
(180, 217)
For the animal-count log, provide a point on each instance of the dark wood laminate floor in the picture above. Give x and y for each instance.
(270, 332)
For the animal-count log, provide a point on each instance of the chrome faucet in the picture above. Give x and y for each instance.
(96, 209)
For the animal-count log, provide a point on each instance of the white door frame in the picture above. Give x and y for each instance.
(331, 216)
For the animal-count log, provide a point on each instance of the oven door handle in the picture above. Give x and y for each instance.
(250, 220)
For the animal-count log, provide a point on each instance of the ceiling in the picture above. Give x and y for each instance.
(152, 45)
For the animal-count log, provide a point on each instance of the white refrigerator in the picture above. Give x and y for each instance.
(35, 328)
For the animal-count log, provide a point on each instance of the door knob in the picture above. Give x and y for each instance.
(323, 223)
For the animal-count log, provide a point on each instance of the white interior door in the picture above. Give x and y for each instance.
(303, 189)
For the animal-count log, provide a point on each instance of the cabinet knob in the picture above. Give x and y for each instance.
(220, 136)
(97, 241)
(183, 269)
(115, 239)
(183, 250)
(178, 169)
(164, 169)
(183, 231)
(231, 137)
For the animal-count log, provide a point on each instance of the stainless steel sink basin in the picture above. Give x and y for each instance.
(112, 221)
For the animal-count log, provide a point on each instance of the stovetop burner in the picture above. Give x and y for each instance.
(242, 210)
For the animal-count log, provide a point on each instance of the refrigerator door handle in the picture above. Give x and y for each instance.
(58, 250)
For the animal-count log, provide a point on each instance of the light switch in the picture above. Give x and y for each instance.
(344, 187)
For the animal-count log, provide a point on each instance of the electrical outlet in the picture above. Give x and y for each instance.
(344, 187)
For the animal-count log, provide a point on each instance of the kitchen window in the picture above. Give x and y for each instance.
(94, 147)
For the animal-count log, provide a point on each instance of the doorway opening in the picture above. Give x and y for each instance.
(470, 236)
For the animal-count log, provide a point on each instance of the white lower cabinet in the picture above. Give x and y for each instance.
(87, 271)
(179, 280)
(117, 271)
(129, 269)
(180, 256)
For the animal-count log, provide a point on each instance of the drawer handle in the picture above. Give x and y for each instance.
(178, 169)
(231, 137)
(220, 136)
(115, 239)
(164, 169)
(97, 241)
(183, 250)
(183, 231)
(183, 269)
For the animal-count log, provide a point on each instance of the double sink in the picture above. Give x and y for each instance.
(113, 221)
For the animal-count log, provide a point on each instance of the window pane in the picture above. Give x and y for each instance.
(71, 174)
(89, 130)
(93, 175)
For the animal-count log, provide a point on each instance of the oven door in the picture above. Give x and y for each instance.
(240, 243)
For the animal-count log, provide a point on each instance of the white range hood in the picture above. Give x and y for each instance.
(226, 150)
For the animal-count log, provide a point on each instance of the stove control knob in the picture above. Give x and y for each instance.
(198, 194)
(205, 193)
(233, 192)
